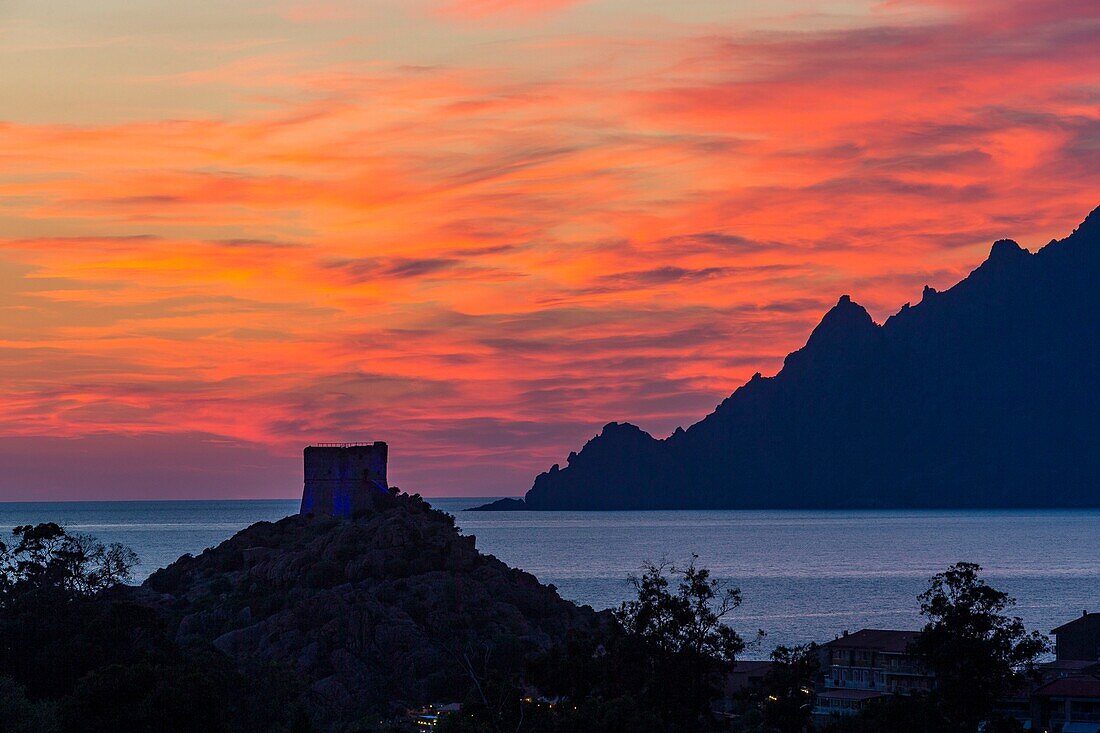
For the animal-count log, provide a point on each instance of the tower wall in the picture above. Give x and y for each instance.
(343, 479)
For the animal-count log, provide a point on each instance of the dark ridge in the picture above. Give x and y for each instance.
(371, 614)
(984, 395)
(503, 505)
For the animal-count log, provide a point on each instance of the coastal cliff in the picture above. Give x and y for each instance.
(979, 396)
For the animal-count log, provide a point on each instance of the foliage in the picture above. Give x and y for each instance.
(676, 637)
(788, 688)
(76, 656)
(977, 652)
(978, 655)
(687, 620)
(20, 715)
(656, 665)
(47, 559)
(53, 627)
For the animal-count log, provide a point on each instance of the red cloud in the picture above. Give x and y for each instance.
(473, 9)
(486, 261)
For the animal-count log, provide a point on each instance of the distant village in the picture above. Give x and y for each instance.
(860, 668)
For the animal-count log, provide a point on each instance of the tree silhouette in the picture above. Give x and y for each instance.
(977, 652)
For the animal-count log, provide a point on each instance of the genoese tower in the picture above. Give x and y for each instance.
(343, 478)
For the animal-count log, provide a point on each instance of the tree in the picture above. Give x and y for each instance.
(977, 652)
(49, 560)
(679, 638)
(53, 627)
(20, 715)
(656, 664)
(73, 658)
(687, 621)
(788, 688)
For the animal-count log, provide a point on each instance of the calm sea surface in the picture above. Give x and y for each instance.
(805, 575)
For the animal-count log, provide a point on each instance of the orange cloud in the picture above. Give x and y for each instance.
(472, 9)
(482, 261)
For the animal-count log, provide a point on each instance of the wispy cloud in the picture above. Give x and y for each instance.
(482, 229)
(473, 9)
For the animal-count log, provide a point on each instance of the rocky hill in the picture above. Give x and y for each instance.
(985, 395)
(389, 609)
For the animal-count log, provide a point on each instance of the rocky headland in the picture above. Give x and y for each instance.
(389, 609)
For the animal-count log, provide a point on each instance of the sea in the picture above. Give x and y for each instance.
(803, 575)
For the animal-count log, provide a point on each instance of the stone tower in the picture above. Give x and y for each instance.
(343, 478)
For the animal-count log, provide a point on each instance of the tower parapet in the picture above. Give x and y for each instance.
(343, 478)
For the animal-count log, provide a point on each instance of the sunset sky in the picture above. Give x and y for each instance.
(481, 229)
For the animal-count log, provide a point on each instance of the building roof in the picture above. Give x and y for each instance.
(360, 444)
(1068, 665)
(1085, 622)
(843, 693)
(1081, 686)
(880, 640)
(1078, 726)
(750, 667)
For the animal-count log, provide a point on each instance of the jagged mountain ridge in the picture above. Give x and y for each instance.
(984, 395)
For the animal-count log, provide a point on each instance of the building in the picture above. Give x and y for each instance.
(869, 664)
(342, 479)
(429, 716)
(746, 676)
(1068, 700)
(1079, 639)
(860, 668)
(832, 702)
(1067, 705)
(1062, 668)
(1029, 709)
(743, 685)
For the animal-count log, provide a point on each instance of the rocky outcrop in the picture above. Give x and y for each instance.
(391, 608)
(984, 395)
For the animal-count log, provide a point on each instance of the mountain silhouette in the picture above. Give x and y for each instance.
(985, 395)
